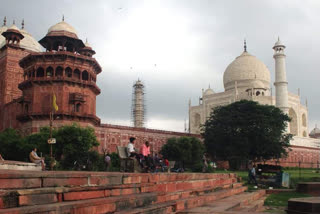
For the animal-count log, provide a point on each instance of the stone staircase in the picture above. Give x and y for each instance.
(100, 192)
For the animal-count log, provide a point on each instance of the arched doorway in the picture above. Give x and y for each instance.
(293, 124)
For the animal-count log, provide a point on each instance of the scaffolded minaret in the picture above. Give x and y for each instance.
(138, 108)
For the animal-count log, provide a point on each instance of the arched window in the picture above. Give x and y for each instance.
(76, 73)
(262, 93)
(26, 108)
(59, 71)
(85, 75)
(293, 122)
(78, 106)
(49, 72)
(257, 93)
(68, 72)
(40, 72)
(304, 134)
(304, 120)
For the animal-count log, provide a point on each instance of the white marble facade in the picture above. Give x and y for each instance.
(249, 78)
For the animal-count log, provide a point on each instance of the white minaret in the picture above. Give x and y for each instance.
(138, 108)
(281, 84)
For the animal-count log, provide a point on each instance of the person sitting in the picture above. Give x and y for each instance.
(132, 151)
(1, 158)
(34, 158)
(145, 152)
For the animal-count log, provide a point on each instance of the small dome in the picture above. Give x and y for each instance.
(29, 43)
(257, 84)
(87, 44)
(62, 26)
(246, 69)
(14, 27)
(278, 43)
(207, 92)
(315, 131)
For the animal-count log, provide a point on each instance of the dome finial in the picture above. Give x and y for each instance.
(22, 24)
(5, 21)
(86, 40)
(209, 85)
(63, 17)
(245, 45)
(14, 22)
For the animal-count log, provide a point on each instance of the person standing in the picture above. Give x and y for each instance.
(107, 161)
(252, 175)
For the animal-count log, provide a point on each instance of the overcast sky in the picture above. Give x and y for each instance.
(178, 47)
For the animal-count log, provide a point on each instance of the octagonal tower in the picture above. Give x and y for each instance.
(66, 69)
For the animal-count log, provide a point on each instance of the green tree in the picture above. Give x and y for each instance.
(188, 150)
(74, 144)
(246, 130)
(10, 141)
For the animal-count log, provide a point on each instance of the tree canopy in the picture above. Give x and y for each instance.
(74, 144)
(188, 150)
(246, 130)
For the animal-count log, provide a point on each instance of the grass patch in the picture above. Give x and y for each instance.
(281, 199)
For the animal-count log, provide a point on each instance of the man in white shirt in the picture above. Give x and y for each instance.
(132, 151)
(130, 148)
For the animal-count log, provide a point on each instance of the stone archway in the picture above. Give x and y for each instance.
(294, 122)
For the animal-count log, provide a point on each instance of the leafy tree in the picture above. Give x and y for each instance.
(10, 142)
(246, 130)
(74, 144)
(188, 150)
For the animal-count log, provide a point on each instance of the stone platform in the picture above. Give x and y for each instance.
(312, 188)
(18, 165)
(309, 205)
(108, 192)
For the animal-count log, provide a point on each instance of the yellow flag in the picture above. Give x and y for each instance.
(54, 102)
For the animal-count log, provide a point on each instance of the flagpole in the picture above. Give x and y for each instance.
(51, 123)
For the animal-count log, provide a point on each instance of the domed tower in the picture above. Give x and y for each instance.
(281, 83)
(67, 70)
(15, 44)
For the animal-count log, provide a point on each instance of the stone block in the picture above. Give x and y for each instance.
(73, 196)
(53, 182)
(20, 183)
(27, 200)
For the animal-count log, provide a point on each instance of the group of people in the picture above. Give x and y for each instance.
(145, 158)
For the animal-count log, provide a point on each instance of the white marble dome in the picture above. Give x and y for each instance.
(246, 69)
(29, 43)
(62, 26)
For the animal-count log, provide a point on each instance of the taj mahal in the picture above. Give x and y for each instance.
(249, 78)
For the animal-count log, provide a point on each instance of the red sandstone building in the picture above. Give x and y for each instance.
(30, 75)
(64, 66)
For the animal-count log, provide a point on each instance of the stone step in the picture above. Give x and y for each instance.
(161, 208)
(100, 205)
(164, 196)
(186, 205)
(167, 191)
(229, 203)
(254, 206)
(10, 179)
